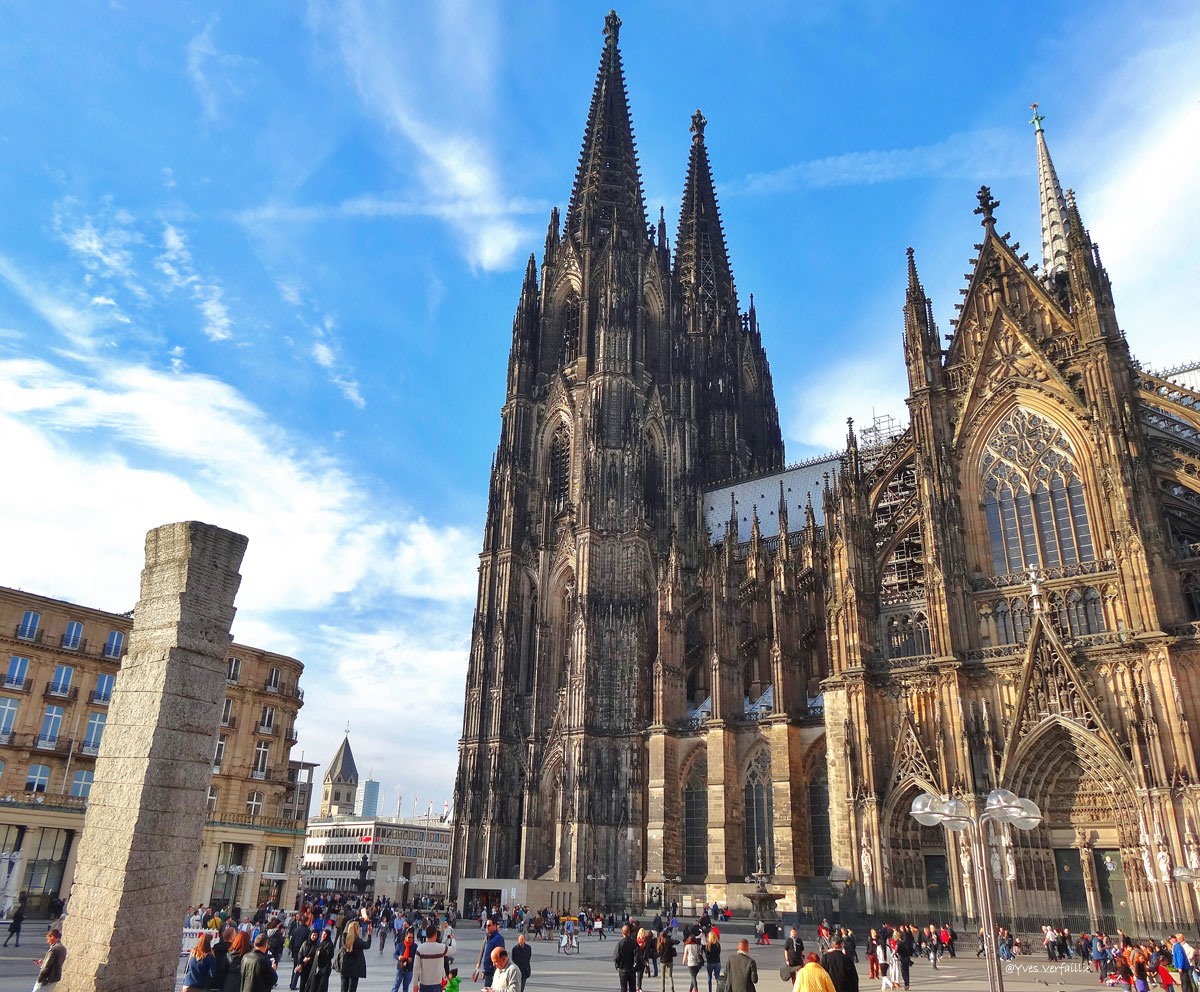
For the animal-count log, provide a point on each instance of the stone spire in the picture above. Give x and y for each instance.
(1055, 227)
(606, 201)
(701, 259)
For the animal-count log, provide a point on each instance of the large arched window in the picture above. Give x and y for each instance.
(1036, 514)
(760, 815)
(560, 469)
(570, 329)
(695, 820)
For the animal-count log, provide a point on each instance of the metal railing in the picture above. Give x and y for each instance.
(68, 693)
(17, 684)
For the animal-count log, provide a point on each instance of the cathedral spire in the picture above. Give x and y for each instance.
(1055, 226)
(606, 201)
(701, 259)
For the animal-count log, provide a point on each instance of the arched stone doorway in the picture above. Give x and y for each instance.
(1082, 865)
(917, 874)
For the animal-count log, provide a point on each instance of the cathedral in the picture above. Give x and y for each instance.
(694, 667)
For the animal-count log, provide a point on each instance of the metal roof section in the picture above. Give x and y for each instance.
(762, 493)
(1187, 374)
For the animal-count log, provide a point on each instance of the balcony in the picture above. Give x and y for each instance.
(66, 693)
(230, 722)
(89, 749)
(98, 698)
(272, 685)
(5, 736)
(260, 774)
(45, 742)
(291, 737)
(12, 684)
(49, 800)
(268, 729)
(31, 634)
(77, 644)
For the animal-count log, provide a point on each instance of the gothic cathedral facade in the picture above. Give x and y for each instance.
(691, 664)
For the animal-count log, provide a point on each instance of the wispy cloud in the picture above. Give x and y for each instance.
(326, 352)
(987, 154)
(192, 447)
(435, 97)
(210, 73)
(103, 240)
(177, 265)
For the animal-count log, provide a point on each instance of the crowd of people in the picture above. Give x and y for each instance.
(324, 937)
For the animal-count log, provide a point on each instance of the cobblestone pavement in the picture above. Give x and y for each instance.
(592, 969)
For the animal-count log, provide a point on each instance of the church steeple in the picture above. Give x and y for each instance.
(701, 260)
(922, 350)
(1055, 226)
(606, 201)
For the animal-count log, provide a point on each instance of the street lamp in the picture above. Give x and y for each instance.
(1000, 806)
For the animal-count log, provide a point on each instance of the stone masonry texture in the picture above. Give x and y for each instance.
(141, 841)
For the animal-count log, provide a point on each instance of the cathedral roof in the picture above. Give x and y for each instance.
(607, 197)
(342, 768)
(762, 493)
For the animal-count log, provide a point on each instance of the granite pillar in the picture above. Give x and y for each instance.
(141, 841)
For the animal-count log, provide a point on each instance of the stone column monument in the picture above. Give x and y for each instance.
(141, 840)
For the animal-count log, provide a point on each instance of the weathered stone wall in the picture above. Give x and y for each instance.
(141, 840)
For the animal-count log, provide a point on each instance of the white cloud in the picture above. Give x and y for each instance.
(435, 96)
(132, 447)
(984, 154)
(176, 264)
(815, 414)
(103, 242)
(211, 75)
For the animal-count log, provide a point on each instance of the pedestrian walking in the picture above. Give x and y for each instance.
(18, 917)
(741, 973)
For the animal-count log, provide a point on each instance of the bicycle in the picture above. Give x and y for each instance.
(568, 943)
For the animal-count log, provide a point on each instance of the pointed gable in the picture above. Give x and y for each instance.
(1052, 688)
(1012, 330)
(910, 760)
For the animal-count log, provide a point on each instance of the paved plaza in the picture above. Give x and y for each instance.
(592, 968)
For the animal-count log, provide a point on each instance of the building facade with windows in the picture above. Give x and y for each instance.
(408, 858)
(62, 663)
(690, 662)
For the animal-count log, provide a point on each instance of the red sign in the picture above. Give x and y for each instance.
(365, 840)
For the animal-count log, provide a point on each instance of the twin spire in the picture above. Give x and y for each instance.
(607, 199)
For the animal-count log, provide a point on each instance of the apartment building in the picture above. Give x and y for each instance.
(63, 662)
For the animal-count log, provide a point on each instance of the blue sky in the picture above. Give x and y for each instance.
(258, 266)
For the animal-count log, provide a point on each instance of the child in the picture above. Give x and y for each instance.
(451, 982)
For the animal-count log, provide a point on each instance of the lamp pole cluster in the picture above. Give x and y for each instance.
(1000, 806)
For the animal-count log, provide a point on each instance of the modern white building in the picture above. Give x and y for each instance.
(408, 859)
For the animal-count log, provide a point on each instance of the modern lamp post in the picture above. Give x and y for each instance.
(1000, 806)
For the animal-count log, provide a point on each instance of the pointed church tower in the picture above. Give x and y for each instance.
(341, 783)
(627, 390)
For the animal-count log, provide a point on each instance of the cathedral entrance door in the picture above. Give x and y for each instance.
(937, 884)
(1072, 893)
(1114, 896)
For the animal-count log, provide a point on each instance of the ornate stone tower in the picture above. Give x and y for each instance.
(632, 383)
